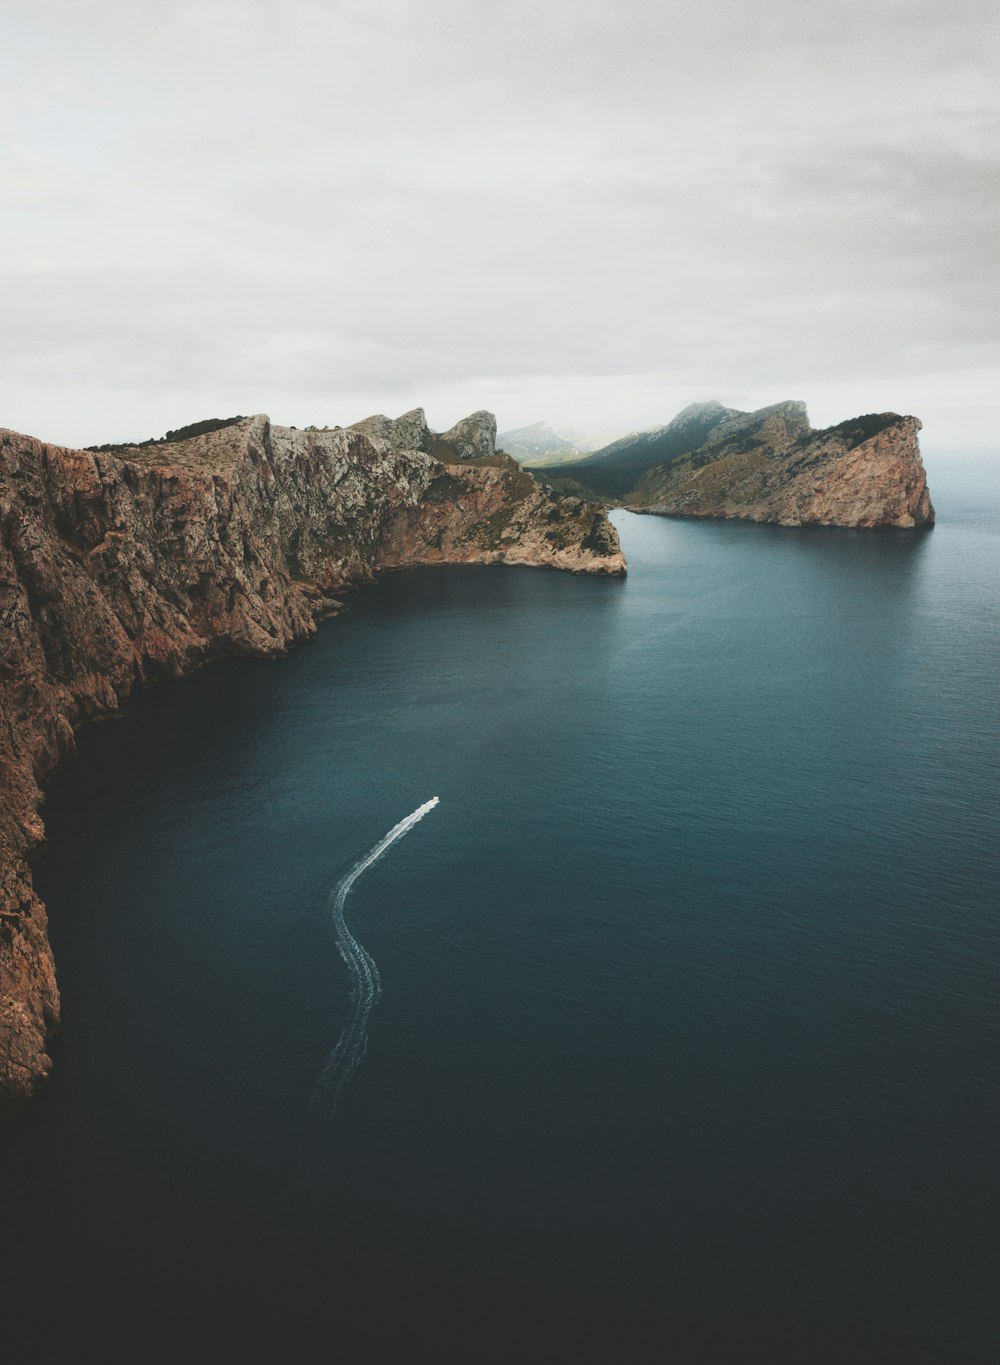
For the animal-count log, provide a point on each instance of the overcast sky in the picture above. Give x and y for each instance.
(589, 212)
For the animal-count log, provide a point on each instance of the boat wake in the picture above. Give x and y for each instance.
(366, 984)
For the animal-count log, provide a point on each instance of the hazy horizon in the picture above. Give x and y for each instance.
(590, 214)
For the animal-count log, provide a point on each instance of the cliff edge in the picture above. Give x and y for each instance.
(126, 564)
(767, 465)
(865, 472)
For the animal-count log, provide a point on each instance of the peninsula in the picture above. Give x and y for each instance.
(769, 465)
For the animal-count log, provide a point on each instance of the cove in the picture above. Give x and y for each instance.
(688, 1027)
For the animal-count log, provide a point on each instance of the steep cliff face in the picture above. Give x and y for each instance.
(506, 517)
(118, 567)
(865, 472)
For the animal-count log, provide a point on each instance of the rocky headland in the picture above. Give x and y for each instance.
(131, 563)
(865, 472)
(768, 465)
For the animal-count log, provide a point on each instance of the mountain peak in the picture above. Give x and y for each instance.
(538, 443)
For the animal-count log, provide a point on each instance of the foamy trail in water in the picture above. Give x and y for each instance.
(366, 984)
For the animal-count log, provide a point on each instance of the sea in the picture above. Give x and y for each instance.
(539, 967)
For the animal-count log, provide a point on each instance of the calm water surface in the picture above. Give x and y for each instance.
(688, 1041)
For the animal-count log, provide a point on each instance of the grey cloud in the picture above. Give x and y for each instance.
(364, 205)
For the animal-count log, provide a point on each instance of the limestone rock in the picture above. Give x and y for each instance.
(409, 432)
(865, 472)
(122, 565)
(473, 436)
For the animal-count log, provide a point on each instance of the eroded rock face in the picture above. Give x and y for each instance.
(408, 432)
(120, 567)
(474, 436)
(866, 472)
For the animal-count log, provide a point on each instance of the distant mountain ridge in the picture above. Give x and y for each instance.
(614, 470)
(532, 443)
(541, 444)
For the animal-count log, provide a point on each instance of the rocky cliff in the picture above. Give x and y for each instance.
(864, 472)
(474, 437)
(124, 565)
(767, 465)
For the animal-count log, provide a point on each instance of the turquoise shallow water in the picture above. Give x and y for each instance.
(687, 1046)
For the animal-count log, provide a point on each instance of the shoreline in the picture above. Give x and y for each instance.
(116, 573)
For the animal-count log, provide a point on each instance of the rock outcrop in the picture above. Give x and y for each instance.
(126, 565)
(866, 472)
(767, 465)
(408, 432)
(473, 438)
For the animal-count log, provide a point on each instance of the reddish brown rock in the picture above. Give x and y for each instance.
(866, 472)
(118, 567)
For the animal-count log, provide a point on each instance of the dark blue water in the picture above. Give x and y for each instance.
(688, 1042)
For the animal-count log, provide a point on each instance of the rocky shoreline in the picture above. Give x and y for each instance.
(128, 564)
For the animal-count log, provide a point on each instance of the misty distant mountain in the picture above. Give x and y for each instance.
(706, 427)
(614, 469)
(538, 444)
(585, 444)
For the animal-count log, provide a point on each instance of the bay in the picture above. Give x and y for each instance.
(688, 1036)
